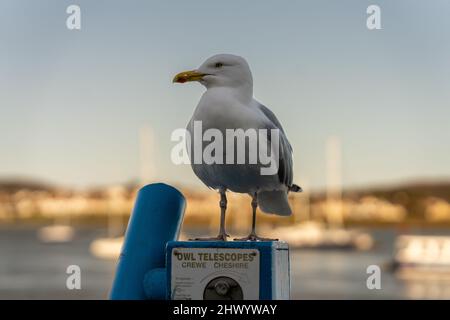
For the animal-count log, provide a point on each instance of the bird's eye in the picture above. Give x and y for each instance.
(219, 65)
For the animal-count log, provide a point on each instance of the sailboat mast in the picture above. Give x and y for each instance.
(334, 182)
(146, 145)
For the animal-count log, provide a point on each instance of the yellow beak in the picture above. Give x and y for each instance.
(186, 76)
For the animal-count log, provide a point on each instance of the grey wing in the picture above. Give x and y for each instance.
(200, 170)
(285, 166)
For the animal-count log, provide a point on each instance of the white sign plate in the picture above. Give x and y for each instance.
(200, 273)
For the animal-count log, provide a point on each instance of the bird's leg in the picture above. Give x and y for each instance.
(252, 236)
(254, 207)
(223, 208)
(222, 236)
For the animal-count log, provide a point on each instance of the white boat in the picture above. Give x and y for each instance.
(57, 233)
(314, 235)
(419, 255)
(110, 248)
(106, 248)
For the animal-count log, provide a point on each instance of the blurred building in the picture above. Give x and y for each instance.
(203, 207)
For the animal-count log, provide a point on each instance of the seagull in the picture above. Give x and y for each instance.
(228, 103)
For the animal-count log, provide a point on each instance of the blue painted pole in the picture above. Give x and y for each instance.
(156, 219)
(155, 284)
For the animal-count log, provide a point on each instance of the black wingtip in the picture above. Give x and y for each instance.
(295, 188)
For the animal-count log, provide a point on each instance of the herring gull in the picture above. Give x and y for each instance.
(228, 104)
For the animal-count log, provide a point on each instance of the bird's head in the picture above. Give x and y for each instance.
(221, 70)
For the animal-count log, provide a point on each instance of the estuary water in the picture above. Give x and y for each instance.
(33, 270)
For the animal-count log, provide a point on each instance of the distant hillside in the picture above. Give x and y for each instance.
(14, 185)
(395, 193)
(412, 190)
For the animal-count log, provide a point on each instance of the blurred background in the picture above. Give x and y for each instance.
(86, 118)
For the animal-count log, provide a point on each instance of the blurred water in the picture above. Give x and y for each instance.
(32, 270)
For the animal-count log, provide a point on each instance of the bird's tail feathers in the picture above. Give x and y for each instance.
(275, 202)
(295, 188)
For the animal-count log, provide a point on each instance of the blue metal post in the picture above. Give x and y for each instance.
(156, 219)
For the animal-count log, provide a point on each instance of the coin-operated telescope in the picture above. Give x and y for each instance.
(153, 265)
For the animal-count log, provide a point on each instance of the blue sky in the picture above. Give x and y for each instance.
(72, 102)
